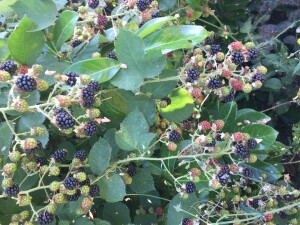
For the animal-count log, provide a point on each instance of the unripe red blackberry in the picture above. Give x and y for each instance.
(205, 125)
(102, 20)
(171, 146)
(220, 124)
(236, 46)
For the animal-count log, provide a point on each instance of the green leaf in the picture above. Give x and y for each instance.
(134, 133)
(264, 132)
(116, 213)
(153, 25)
(142, 182)
(99, 156)
(177, 207)
(250, 115)
(110, 137)
(101, 69)
(5, 138)
(273, 84)
(175, 37)
(83, 220)
(64, 27)
(260, 167)
(100, 222)
(4, 51)
(297, 69)
(60, 4)
(88, 50)
(181, 107)
(161, 89)
(227, 112)
(146, 219)
(26, 46)
(5, 6)
(42, 13)
(112, 188)
(130, 51)
(165, 5)
(30, 120)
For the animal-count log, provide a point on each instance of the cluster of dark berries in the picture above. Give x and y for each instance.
(93, 4)
(59, 155)
(63, 119)
(90, 128)
(26, 83)
(174, 136)
(112, 55)
(142, 5)
(45, 218)
(76, 43)
(9, 66)
(72, 78)
(192, 74)
(190, 187)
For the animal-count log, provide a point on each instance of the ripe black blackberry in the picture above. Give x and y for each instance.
(215, 48)
(258, 76)
(228, 98)
(75, 43)
(64, 121)
(94, 190)
(90, 128)
(70, 183)
(87, 94)
(112, 55)
(13, 190)
(38, 147)
(88, 104)
(87, 181)
(247, 172)
(174, 136)
(192, 74)
(41, 160)
(71, 78)
(81, 155)
(74, 197)
(26, 83)
(59, 155)
(223, 178)
(237, 58)
(264, 198)
(230, 205)
(225, 168)
(142, 5)
(94, 85)
(190, 187)
(214, 83)
(45, 218)
(251, 143)
(167, 100)
(288, 198)
(208, 41)
(93, 4)
(9, 66)
(186, 221)
(131, 170)
(255, 203)
(156, 14)
(241, 151)
(58, 111)
(253, 53)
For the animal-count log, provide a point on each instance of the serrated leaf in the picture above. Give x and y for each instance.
(261, 131)
(273, 84)
(64, 27)
(5, 138)
(175, 37)
(116, 213)
(4, 51)
(30, 120)
(250, 115)
(42, 13)
(110, 137)
(142, 182)
(102, 69)
(181, 107)
(112, 188)
(130, 51)
(134, 134)
(18, 42)
(99, 156)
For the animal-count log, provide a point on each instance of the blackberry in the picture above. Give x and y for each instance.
(219, 207)
(283, 215)
(26, 83)
(186, 125)
(45, 218)
(251, 143)
(167, 100)
(74, 197)
(264, 198)
(241, 151)
(258, 76)
(214, 49)
(214, 83)
(142, 5)
(208, 41)
(87, 181)
(223, 178)
(94, 85)
(75, 43)
(156, 14)
(190, 187)
(186, 221)
(41, 160)
(93, 3)
(237, 58)
(71, 78)
(112, 55)
(255, 203)
(58, 111)
(94, 190)
(230, 205)
(247, 172)
(102, 20)
(64, 121)
(174, 136)
(87, 94)
(225, 168)
(59, 155)
(131, 170)
(228, 98)
(90, 128)
(81, 155)
(70, 183)
(88, 104)
(253, 53)
(13, 190)
(38, 147)
(288, 198)
(192, 74)
(9, 66)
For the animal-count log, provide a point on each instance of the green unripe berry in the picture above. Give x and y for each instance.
(7, 182)
(59, 198)
(9, 168)
(85, 190)
(31, 166)
(80, 176)
(54, 186)
(51, 208)
(14, 156)
(15, 218)
(24, 200)
(24, 215)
